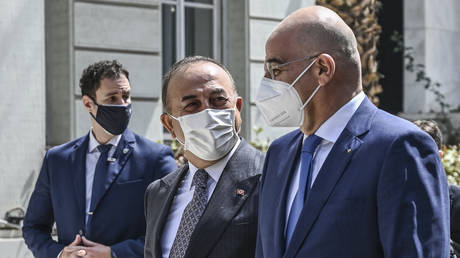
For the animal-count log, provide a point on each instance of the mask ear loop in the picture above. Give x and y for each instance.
(303, 72)
(177, 139)
(93, 116)
(311, 96)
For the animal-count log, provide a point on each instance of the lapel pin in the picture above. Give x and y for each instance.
(348, 150)
(125, 150)
(240, 192)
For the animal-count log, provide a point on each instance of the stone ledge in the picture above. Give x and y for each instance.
(14, 248)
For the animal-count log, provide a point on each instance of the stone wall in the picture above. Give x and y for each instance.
(22, 129)
(433, 29)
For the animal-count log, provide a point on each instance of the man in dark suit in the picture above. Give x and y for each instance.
(208, 207)
(353, 181)
(93, 187)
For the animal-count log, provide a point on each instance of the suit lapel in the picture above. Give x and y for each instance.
(230, 193)
(331, 172)
(121, 155)
(163, 200)
(284, 176)
(78, 163)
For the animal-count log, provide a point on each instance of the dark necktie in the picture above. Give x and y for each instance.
(100, 179)
(308, 149)
(191, 215)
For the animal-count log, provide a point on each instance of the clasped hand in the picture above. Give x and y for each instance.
(82, 247)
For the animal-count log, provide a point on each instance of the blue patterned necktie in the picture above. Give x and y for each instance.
(308, 149)
(191, 215)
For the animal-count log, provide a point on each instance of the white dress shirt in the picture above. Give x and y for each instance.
(330, 132)
(185, 194)
(91, 160)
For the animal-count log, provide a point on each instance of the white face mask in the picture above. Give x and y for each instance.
(280, 103)
(209, 134)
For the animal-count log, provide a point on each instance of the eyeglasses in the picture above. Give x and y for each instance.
(275, 69)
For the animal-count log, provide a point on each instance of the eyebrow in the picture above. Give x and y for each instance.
(111, 93)
(188, 97)
(214, 91)
(218, 91)
(274, 60)
(115, 92)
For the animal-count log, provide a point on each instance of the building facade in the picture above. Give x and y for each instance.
(45, 44)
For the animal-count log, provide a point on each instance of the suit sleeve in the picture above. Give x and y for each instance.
(129, 248)
(412, 199)
(39, 218)
(164, 164)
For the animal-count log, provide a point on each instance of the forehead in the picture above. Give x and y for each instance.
(111, 84)
(200, 79)
(282, 46)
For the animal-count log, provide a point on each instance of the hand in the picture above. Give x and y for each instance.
(73, 250)
(96, 250)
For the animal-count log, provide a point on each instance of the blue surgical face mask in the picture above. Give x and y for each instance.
(113, 118)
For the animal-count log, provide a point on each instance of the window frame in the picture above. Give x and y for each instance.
(180, 25)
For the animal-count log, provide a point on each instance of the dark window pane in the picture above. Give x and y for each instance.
(198, 32)
(169, 36)
(200, 1)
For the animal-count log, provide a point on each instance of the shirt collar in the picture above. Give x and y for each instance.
(215, 170)
(93, 143)
(333, 127)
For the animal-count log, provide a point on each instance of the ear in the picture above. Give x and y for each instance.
(239, 103)
(326, 69)
(88, 103)
(166, 120)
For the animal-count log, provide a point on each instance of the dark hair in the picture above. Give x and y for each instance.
(179, 65)
(431, 128)
(93, 74)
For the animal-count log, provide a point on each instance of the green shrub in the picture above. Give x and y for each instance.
(451, 160)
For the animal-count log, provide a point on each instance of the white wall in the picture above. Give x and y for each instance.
(22, 112)
(433, 29)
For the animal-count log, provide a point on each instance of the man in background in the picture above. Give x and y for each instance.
(93, 187)
(431, 128)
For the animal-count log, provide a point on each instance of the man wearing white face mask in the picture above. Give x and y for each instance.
(353, 180)
(208, 208)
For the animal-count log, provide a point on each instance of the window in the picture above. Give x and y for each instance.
(190, 27)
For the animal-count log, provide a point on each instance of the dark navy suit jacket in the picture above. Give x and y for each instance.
(118, 219)
(382, 192)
